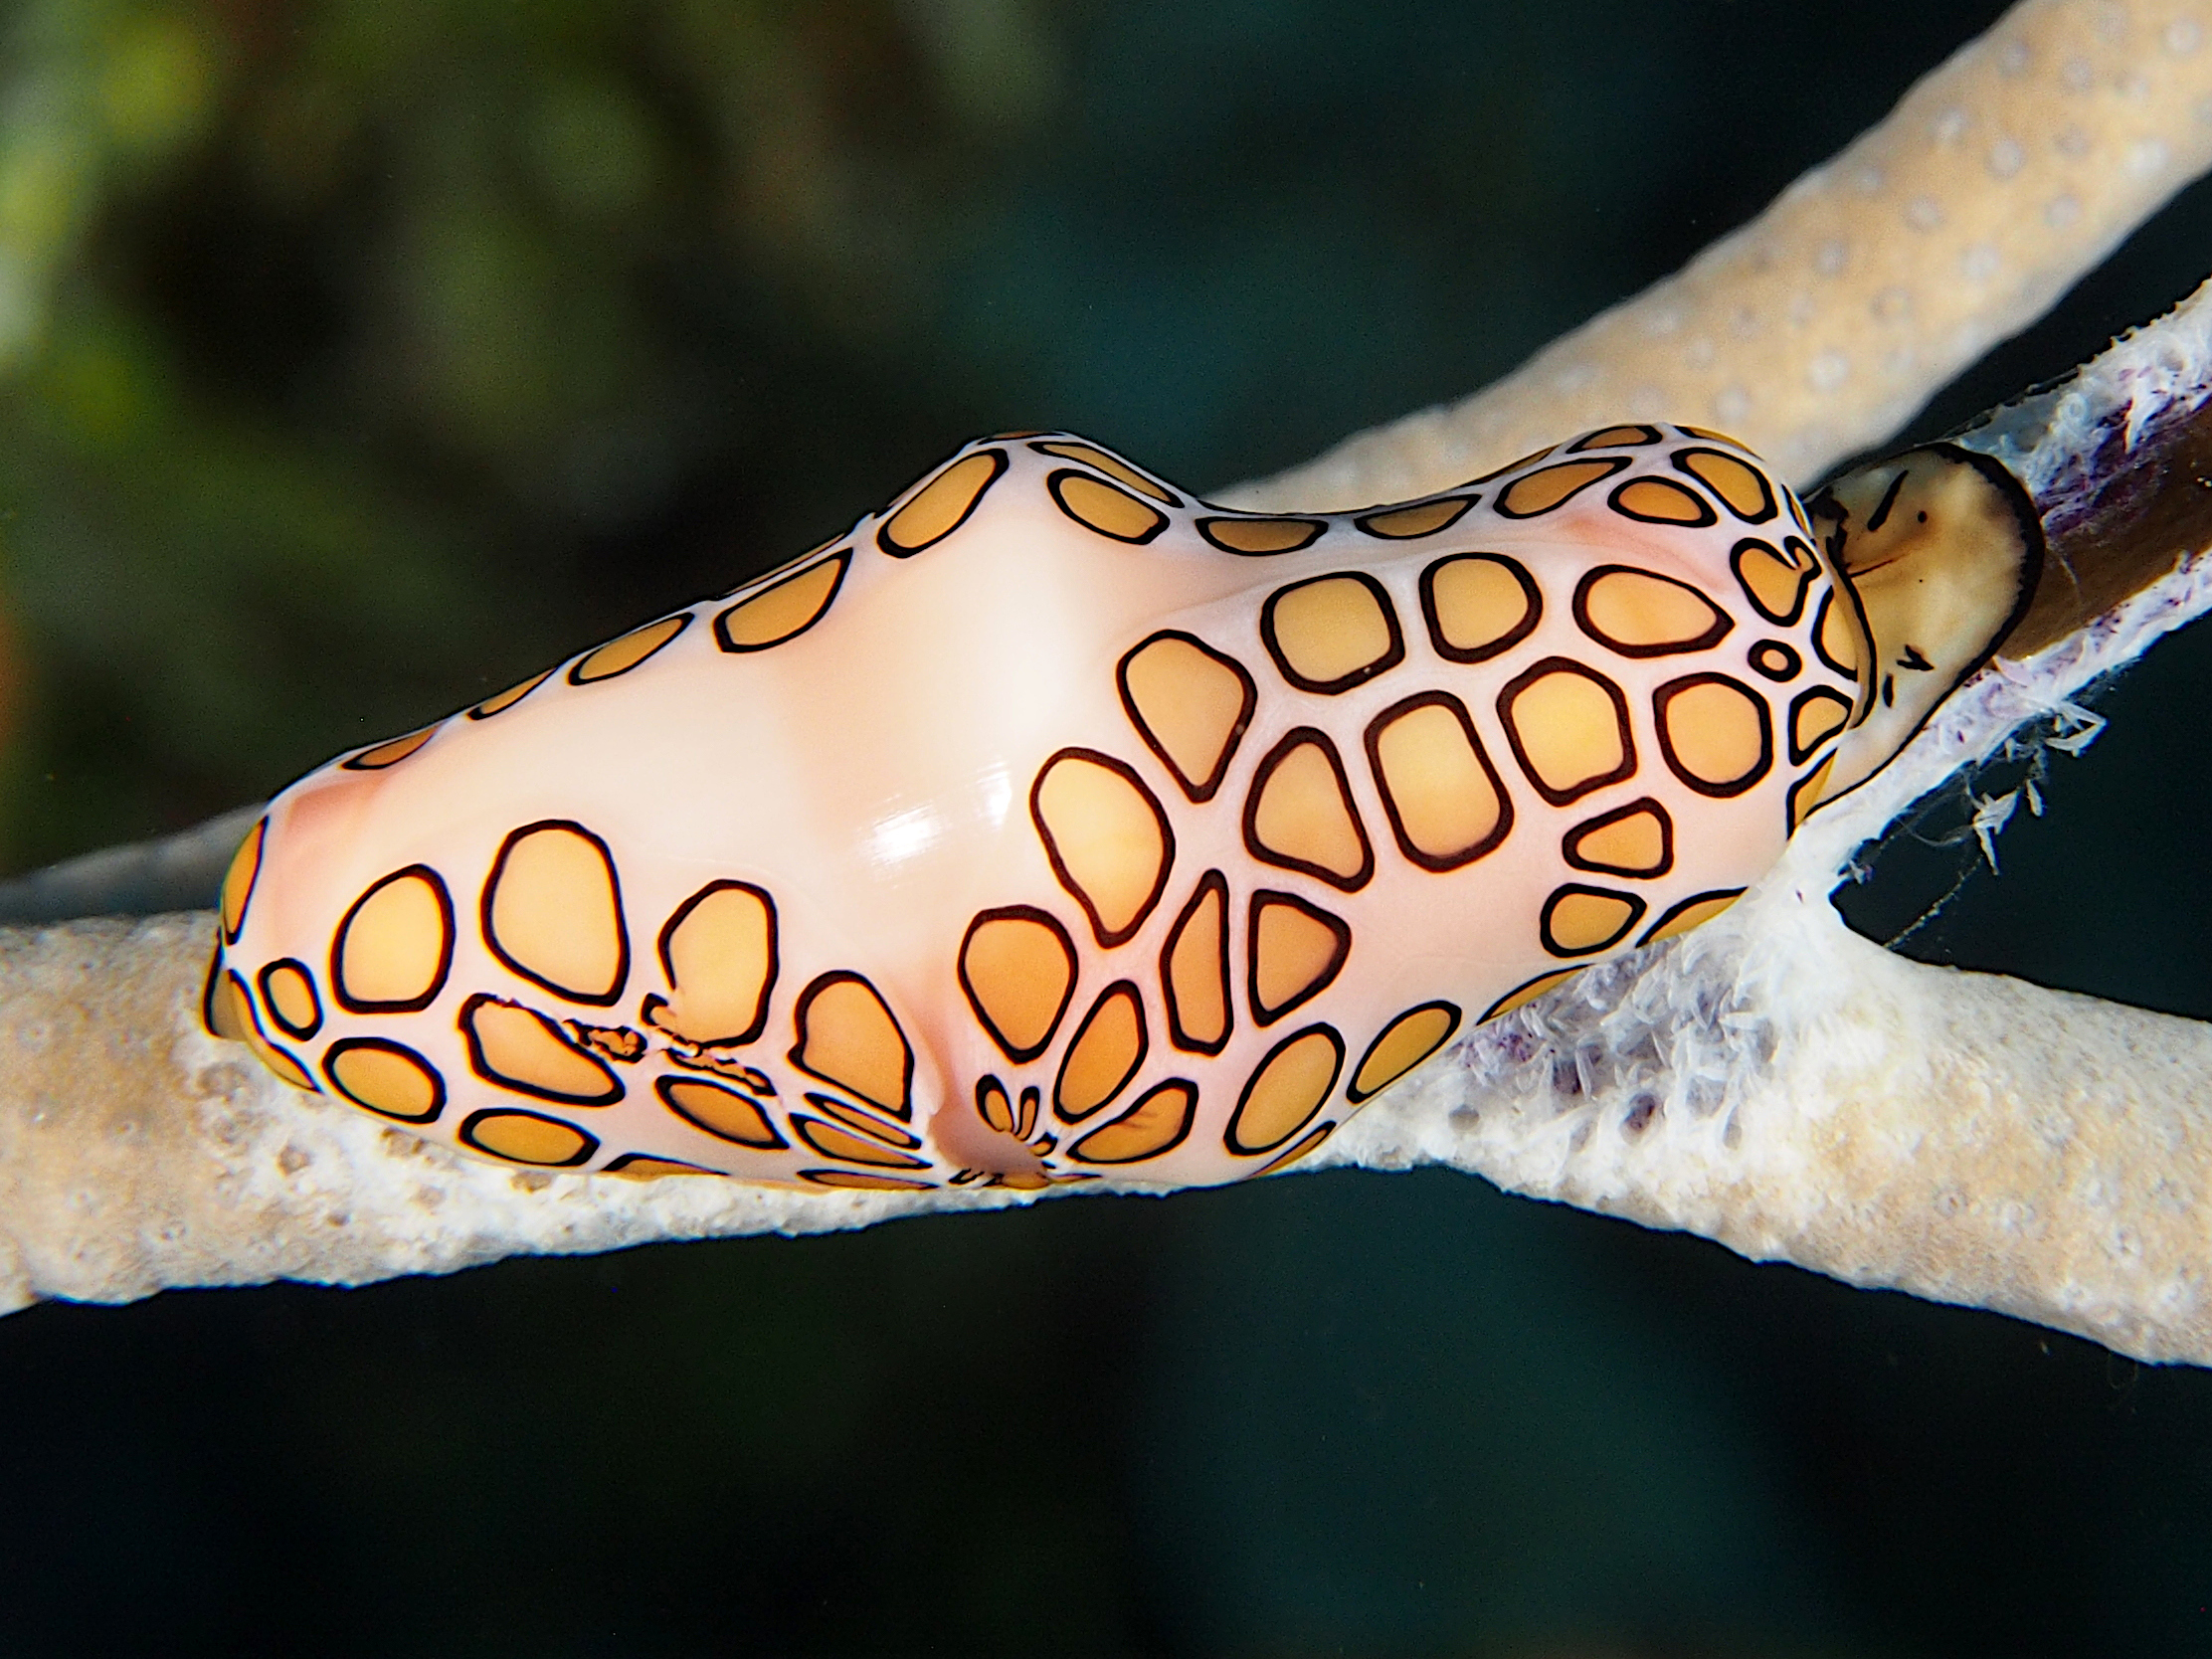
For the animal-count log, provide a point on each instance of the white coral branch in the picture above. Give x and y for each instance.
(1819, 328)
(1771, 1080)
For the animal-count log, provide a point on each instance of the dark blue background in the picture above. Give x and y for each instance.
(424, 407)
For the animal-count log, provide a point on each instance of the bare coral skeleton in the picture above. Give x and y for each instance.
(1052, 824)
(1768, 1079)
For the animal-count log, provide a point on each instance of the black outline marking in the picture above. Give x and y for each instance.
(1120, 987)
(241, 997)
(264, 1047)
(1056, 448)
(420, 739)
(1365, 523)
(1544, 669)
(1529, 460)
(748, 1078)
(865, 1180)
(1681, 460)
(1715, 630)
(905, 1110)
(577, 676)
(1354, 1094)
(1674, 688)
(1216, 884)
(1578, 889)
(622, 916)
(1705, 507)
(217, 969)
(618, 1043)
(665, 1086)
(1054, 484)
(618, 1165)
(466, 1021)
(476, 1119)
(513, 693)
(1128, 774)
(1391, 658)
(1811, 694)
(314, 997)
(1051, 924)
(842, 559)
(987, 1086)
(1505, 641)
(2034, 549)
(1265, 898)
(1589, 440)
(1612, 465)
(1208, 527)
(854, 1117)
(1794, 665)
(775, 575)
(1334, 1041)
(1861, 678)
(1266, 771)
(874, 1154)
(1791, 816)
(1203, 792)
(1189, 1091)
(1285, 1159)
(1881, 514)
(655, 1002)
(383, 1045)
(1527, 988)
(1022, 1109)
(413, 1004)
(899, 550)
(226, 932)
(1571, 843)
(1806, 574)
(1732, 894)
(1373, 739)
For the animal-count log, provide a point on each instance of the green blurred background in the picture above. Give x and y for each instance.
(357, 358)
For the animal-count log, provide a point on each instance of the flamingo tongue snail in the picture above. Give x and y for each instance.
(1053, 824)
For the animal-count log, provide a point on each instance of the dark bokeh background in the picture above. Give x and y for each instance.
(357, 358)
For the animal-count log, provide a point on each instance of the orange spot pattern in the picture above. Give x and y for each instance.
(1190, 986)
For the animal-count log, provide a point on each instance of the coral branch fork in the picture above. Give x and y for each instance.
(1769, 1080)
